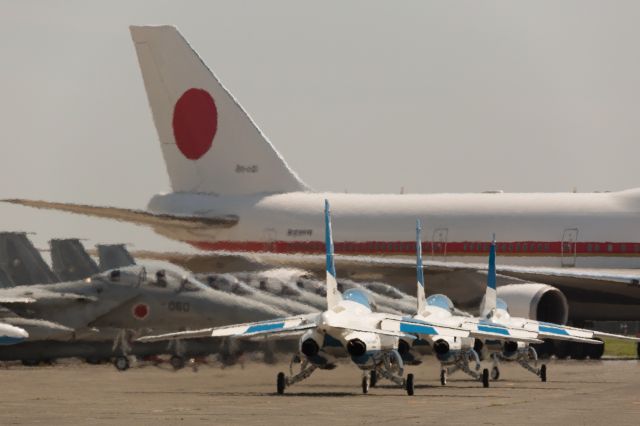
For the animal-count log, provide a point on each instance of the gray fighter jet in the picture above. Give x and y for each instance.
(22, 262)
(281, 283)
(231, 284)
(121, 304)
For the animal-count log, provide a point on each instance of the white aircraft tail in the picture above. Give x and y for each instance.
(209, 143)
(491, 295)
(421, 294)
(333, 295)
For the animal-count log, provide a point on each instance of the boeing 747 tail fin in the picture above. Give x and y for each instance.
(209, 143)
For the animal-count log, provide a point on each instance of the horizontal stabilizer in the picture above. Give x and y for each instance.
(139, 217)
(412, 326)
(380, 331)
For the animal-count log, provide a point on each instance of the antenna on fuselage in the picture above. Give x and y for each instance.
(421, 294)
(333, 295)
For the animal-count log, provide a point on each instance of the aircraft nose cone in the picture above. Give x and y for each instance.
(10, 335)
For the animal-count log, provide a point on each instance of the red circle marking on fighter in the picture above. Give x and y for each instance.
(141, 311)
(195, 122)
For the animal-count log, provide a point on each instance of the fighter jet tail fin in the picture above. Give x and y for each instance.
(112, 256)
(491, 294)
(333, 295)
(421, 294)
(70, 260)
(209, 143)
(22, 262)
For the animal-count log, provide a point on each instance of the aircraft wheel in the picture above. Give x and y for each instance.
(409, 384)
(595, 351)
(578, 350)
(443, 377)
(365, 385)
(562, 349)
(544, 350)
(177, 362)
(373, 379)
(495, 373)
(121, 363)
(543, 372)
(485, 378)
(280, 383)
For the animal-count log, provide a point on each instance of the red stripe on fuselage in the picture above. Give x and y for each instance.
(518, 248)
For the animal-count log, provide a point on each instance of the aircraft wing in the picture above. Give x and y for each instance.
(464, 329)
(8, 300)
(382, 330)
(410, 326)
(42, 295)
(288, 327)
(547, 330)
(139, 217)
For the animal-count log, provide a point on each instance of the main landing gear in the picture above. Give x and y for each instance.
(122, 344)
(306, 369)
(462, 363)
(392, 369)
(389, 367)
(527, 358)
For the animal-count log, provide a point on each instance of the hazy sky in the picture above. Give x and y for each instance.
(449, 96)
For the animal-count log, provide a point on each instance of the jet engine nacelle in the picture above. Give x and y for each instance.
(445, 347)
(535, 301)
(359, 343)
(311, 343)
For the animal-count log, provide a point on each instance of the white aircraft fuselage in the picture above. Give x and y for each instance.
(591, 230)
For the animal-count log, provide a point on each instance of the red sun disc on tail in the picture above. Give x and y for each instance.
(141, 311)
(195, 122)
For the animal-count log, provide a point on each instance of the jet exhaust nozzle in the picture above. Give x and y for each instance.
(403, 347)
(441, 347)
(356, 347)
(510, 346)
(310, 347)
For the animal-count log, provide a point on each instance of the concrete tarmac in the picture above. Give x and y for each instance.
(577, 392)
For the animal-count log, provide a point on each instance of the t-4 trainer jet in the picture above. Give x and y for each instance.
(495, 313)
(566, 256)
(348, 328)
(454, 353)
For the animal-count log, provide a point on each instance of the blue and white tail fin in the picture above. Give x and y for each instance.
(333, 295)
(421, 294)
(209, 143)
(491, 295)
